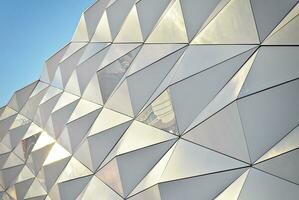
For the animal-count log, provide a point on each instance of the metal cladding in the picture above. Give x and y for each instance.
(162, 100)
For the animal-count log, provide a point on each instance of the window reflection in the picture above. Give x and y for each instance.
(160, 114)
(112, 74)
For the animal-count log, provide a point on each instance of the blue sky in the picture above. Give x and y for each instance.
(31, 31)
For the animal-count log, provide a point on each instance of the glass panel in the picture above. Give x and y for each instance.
(28, 144)
(160, 114)
(112, 74)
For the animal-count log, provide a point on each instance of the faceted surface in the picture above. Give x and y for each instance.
(161, 100)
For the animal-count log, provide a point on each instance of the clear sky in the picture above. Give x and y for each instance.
(31, 31)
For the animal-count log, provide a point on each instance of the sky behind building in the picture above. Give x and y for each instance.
(32, 31)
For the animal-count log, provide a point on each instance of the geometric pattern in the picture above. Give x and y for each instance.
(161, 100)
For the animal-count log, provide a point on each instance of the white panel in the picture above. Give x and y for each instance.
(201, 187)
(272, 66)
(274, 114)
(260, 185)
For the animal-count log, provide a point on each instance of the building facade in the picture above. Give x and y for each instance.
(162, 100)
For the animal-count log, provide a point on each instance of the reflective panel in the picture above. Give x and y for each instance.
(81, 34)
(51, 92)
(65, 99)
(122, 8)
(182, 163)
(20, 120)
(198, 187)
(161, 100)
(96, 148)
(228, 94)
(83, 108)
(284, 166)
(222, 132)
(38, 88)
(21, 96)
(96, 189)
(150, 78)
(171, 27)
(43, 140)
(91, 50)
(25, 174)
(151, 53)
(198, 58)
(140, 135)
(71, 189)
(149, 12)
(72, 48)
(76, 130)
(102, 33)
(136, 163)
(283, 33)
(12, 160)
(290, 16)
(86, 70)
(108, 119)
(57, 153)
(26, 146)
(116, 51)
(155, 174)
(7, 112)
(208, 84)
(160, 114)
(199, 10)
(35, 190)
(73, 170)
(110, 76)
(57, 79)
(271, 59)
(288, 143)
(130, 31)
(233, 191)
(234, 24)
(269, 13)
(92, 91)
(32, 130)
(260, 185)
(72, 85)
(278, 106)
(51, 65)
(125, 106)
